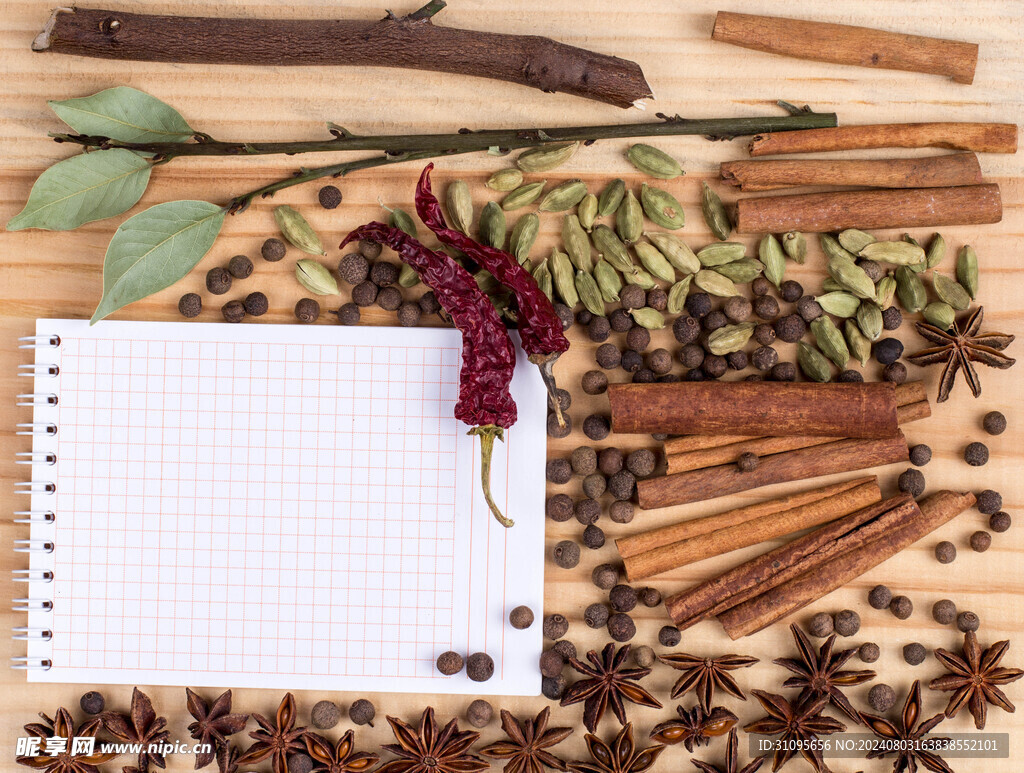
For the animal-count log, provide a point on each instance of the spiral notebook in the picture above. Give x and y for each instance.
(272, 505)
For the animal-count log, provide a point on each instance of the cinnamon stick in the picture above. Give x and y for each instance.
(838, 456)
(848, 44)
(411, 41)
(909, 207)
(978, 137)
(754, 577)
(716, 535)
(863, 410)
(930, 172)
(757, 613)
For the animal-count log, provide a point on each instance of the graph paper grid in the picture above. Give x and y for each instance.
(281, 506)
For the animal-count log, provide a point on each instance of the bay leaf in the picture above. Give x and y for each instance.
(125, 114)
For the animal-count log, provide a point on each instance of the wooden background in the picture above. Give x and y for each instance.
(59, 274)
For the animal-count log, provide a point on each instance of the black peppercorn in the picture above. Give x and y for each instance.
(307, 310)
(698, 305)
(479, 667)
(881, 698)
(325, 715)
(714, 365)
(559, 507)
(605, 576)
(593, 537)
(362, 712)
(240, 267)
(911, 482)
(872, 268)
(737, 360)
(999, 522)
(764, 334)
(869, 652)
(620, 320)
(218, 280)
(945, 552)
(428, 303)
(596, 426)
(565, 315)
(390, 298)
(920, 455)
(364, 293)
(348, 314)
(766, 307)
(610, 460)
(383, 273)
(329, 197)
(551, 663)
(272, 250)
(847, 622)
(669, 636)
(879, 597)
(599, 329)
(190, 305)
(638, 338)
(994, 423)
(565, 648)
(409, 314)
(790, 291)
(566, 554)
(594, 382)
(914, 653)
(784, 371)
(888, 350)
(558, 471)
(821, 625)
(790, 328)
(621, 627)
(691, 355)
(622, 484)
(850, 376)
(92, 702)
(621, 511)
(967, 621)
(370, 250)
(623, 598)
(631, 361)
(596, 616)
(583, 460)
(553, 687)
(521, 617)
(764, 358)
(748, 461)
(641, 462)
(633, 297)
(587, 511)
(896, 372)
(760, 286)
(980, 541)
(594, 485)
(659, 361)
(233, 311)
(715, 320)
(944, 612)
(901, 607)
(808, 308)
(738, 309)
(892, 318)
(976, 454)
(989, 502)
(608, 356)
(480, 712)
(300, 762)
(555, 626)
(686, 329)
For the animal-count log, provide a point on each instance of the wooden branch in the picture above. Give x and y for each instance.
(977, 137)
(412, 42)
(897, 208)
(930, 172)
(848, 44)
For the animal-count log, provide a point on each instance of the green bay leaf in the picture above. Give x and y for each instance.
(83, 188)
(154, 249)
(125, 114)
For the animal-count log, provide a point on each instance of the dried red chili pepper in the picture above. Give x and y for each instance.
(540, 328)
(488, 356)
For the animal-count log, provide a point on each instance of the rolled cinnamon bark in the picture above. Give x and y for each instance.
(979, 137)
(931, 172)
(762, 446)
(848, 44)
(900, 208)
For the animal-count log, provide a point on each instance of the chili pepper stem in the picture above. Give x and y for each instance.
(487, 433)
(546, 363)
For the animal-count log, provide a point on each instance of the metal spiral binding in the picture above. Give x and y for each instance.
(36, 457)
(34, 487)
(33, 342)
(28, 605)
(32, 399)
(24, 633)
(33, 546)
(36, 428)
(39, 369)
(31, 575)
(32, 664)
(34, 516)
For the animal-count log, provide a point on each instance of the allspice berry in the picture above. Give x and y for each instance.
(370, 250)
(989, 501)
(901, 607)
(449, 663)
(307, 310)
(821, 625)
(558, 471)
(999, 522)
(760, 286)
(892, 318)
(233, 311)
(551, 663)
(218, 280)
(362, 712)
(566, 554)
(583, 460)
(888, 350)
(559, 508)
(480, 712)
(521, 617)
(555, 626)
(621, 627)
(767, 308)
(920, 455)
(621, 511)
(272, 250)
(596, 616)
(608, 356)
(669, 636)
(428, 303)
(383, 273)
(325, 715)
(980, 541)
(605, 576)
(190, 305)
(737, 309)
(610, 460)
(587, 511)
(911, 481)
(847, 622)
(623, 598)
(565, 648)
(593, 537)
(976, 454)
(92, 702)
(641, 462)
(914, 653)
(479, 667)
(790, 291)
(348, 314)
(945, 552)
(622, 484)
(967, 621)
(896, 372)
(594, 382)
(790, 328)
(944, 612)
(881, 698)
(354, 268)
(994, 423)
(620, 320)
(553, 688)
(256, 304)
(389, 298)
(240, 267)
(329, 197)
(686, 329)
(631, 361)
(364, 293)
(637, 339)
(649, 597)
(633, 297)
(879, 597)
(594, 485)
(869, 652)
(300, 762)
(643, 656)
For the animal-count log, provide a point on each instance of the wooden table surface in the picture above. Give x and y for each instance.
(45, 274)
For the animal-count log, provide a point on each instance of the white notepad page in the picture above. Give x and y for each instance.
(281, 506)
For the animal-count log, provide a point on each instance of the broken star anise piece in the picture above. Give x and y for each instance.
(213, 724)
(341, 757)
(903, 739)
(528, 742)
(140, 726)
(975, 678)
(227, 758)
(621, 757)
(62, 726)
(276, 740)
(694, 727)
(607, 683)
(798, 726)
(958, 348)
(818, 672)
(732, 761)
(430, 750)
(704, 675)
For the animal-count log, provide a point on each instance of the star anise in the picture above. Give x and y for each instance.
(975, 677)
(340, 757)
(621, 757)
(213, 724)
(429, 750)
(62, 726)
(958, 348)
(818, 672)
(607, 683)
(902, 740)
(276, 740)
(227, 758)
(694, 727)
(732, 763)
(529, 739)
(798, 725)
(703, 675)
(140, 726)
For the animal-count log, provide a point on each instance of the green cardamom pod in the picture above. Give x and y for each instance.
(677, 295)
(648, 318)
(741, 271)
(860, 346)
(812, 362)
(315, 277)
(830, 285)
(486, 282)
(576, 242)
(896, 253)
(407, 276)
(967, 270)
(640, 278)
(590, 293)
(460, 205)
(911, 240)
(730, 338)
(910, 290)
(611, 197)
(936, 251)
(839, 303)
(564, 279)
(950, 291)
(854, 240)
(493, 226)
(662, 207)
(542, 276)
(524, 234)
(612, 248)
(586, 211)
(505, 180)
(629, 219)
(917, 268)
(830, 341)
(715, 214)
(298, 231)
(851, 276)
(501, 303)
(652, 259)
(654, 162)
(523, 195)
(715, 284)
(773, 259)
(720, 253)
(795, 245)
(869, 319)
(885, 291)
(939, 314)
(563, 197)
(546, 157)
(675, 251)
(402, 220)
(833, 249)
(608, 281)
